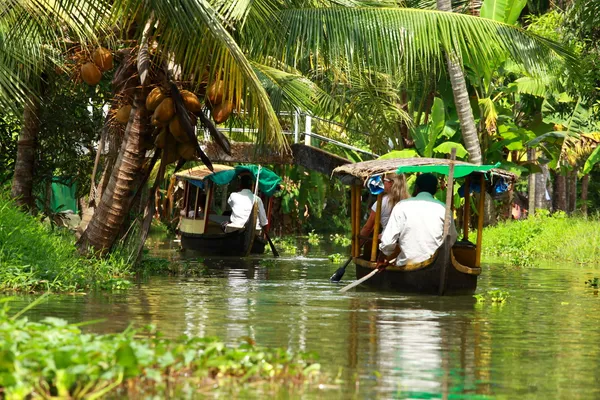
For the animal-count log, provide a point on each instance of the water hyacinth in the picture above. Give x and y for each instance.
(55, 358)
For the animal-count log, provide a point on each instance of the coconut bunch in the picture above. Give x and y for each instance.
(172, 137)
(220, 109)
(91, 71)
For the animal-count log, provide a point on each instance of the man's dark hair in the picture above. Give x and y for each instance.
(246, 182)
(426, 183)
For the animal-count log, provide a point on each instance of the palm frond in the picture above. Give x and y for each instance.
(396, 41)
(214, 49)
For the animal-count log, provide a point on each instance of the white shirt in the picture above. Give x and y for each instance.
(241, 207)
(386, 210)
(417, 226)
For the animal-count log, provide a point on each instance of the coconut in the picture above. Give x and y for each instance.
(161, 139)
(215, 92)
(221, 112)
(187, 150)
(165, 110)
(122, 115)
(103, 59)
(177, 130)
(90, 74)
(155, 97)
(191, 101)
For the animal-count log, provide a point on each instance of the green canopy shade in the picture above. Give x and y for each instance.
(268, 180)
(459, 169)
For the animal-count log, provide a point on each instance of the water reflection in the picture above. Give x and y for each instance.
(542, 342)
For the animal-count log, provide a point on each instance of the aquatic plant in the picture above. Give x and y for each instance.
(285, 244)
(53, 358)
(341, 240)
(495, 296)
(35, 258)
(594, 282)
(336, 258)
(314, 238)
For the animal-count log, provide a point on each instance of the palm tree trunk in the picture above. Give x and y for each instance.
(531, 183)
(22, 184)
(560, 192)
(572, 190)
(461, 99)
(116, 200)
(585, 181)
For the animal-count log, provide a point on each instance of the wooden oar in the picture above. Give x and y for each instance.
(271, 245)
(337, 275)
(367, 277)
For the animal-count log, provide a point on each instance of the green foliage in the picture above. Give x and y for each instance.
(10, 126)
(314, 238)
(495, 296)
(336, 258)
(435, 137)
(544, 237)
(341, 240)
(34, 258)
(506, 11)
(285, 244)
(54, 358)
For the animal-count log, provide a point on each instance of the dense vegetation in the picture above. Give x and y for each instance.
(544, 238)
(33, 257)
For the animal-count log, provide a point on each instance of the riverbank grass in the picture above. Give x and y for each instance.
(35, 258)
(543, 238)
(55, 359)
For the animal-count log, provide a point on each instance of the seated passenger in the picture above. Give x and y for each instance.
(394, 189)
(417, 224)
(241, 204)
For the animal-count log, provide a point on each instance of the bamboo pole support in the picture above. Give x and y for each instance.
(467, 209)
(357, 220)
(186, 191)
(196, 202)
(210, 188)
(352, 219)
(480, 219)
(447, 248)
(376, 228)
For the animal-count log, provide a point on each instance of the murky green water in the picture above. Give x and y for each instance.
(543, 343)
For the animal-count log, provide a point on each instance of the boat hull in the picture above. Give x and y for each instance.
(425, 280)
(239, 243)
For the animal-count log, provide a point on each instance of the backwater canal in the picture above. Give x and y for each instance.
(542, 343)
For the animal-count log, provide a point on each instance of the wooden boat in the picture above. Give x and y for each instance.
(201, 229)
(453, 269)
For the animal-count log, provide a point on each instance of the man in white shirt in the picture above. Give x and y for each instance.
(417, 224)
(241, 207)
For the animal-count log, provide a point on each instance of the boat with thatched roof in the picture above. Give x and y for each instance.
(201, 228)
(452, 269)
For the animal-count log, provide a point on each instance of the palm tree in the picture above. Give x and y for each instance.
(461, 98)
(395, 41)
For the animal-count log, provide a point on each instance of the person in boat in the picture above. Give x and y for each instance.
(241, 204)
(416, 225)
(395, 190)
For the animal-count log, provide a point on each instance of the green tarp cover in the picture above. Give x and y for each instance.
(268, 180)
(459, 170)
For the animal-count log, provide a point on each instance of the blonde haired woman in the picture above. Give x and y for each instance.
(394, 189)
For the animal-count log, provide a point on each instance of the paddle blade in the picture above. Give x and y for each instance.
(337, 275)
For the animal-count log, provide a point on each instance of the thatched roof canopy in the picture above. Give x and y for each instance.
(358, 173)
(201, 172)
